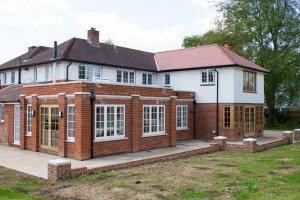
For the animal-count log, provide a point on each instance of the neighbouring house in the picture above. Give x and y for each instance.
(84, 99)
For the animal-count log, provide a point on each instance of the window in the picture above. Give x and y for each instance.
(4, 79)
(88, 72)
(249, 81)
(110, 121)
(48, 73)
(236, 116)
(2, 113)
(125, 77)
(181, 117)
(259, 115)
(12, 77)
(71, 122)
(147, 79)
(154, 119)
(29, 120)
(207, 76)
(241, 124)
(167, 79)
(227, 123)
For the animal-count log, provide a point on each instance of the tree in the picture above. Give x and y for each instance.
(109, 41)
(268, 33)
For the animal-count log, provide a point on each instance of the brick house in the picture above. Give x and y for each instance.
(84, 99)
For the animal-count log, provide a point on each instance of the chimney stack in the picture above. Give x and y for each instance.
(31, 48)
(93, 35)
(227, 46)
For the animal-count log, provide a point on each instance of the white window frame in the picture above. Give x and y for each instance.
(158, 132)
(12, 77)
(148, 78)
(115, 136)
(127, 77)
(48, 73)
(4, 78)
(90, 72)
(70, 138)
(29, 119)
(207, 82)
(169, 81)
(180, 116)
(2, 113)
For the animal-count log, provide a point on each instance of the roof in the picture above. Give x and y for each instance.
(20, 60)
(80, 50)
(202, 57)
(11, 93)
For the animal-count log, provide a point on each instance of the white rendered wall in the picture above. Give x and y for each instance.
(244, 97)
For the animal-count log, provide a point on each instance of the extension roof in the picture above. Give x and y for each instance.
(11, 93)
(80, 50)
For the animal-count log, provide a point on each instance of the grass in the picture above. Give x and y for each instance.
(269, 175)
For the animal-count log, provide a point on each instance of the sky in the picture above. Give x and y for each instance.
(148, 25)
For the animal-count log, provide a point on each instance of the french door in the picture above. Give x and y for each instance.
(49, 127)
(17, 124)
(249, 121)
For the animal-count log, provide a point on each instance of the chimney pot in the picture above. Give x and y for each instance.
(93, 35)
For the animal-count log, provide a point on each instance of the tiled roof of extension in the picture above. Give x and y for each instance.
(11, 93)
(80, 50)
(202, 57)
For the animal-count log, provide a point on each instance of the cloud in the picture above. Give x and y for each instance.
(33, 13)
(124, 33)
(205, 20)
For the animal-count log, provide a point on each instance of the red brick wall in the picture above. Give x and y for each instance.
(189, 133)
(205, 122)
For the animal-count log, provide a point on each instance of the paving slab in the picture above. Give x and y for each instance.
(36, 163)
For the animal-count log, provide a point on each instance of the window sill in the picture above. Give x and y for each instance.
(18, 143)
(110, 139)
(28, 135)
(182, 129)
(154, 134)
(70, 140)
(253, 92)
(207, 84)
(2, 121)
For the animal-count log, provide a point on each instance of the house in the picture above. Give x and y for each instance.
(84, 99)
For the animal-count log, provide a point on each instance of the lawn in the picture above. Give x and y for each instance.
(272, 174)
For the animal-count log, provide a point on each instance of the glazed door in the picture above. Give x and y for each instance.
(249, 121)
(17, 124)
(49, 127)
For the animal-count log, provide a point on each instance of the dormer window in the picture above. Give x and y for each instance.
(207, 76)
(88, 72)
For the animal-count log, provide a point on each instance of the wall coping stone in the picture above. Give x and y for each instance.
(250, 140)
(297, 130)
(58, 162)
(288, 132)
(59, 94)
(220, 138)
